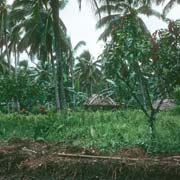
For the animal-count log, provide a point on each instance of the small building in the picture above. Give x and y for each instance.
(97, 101)
(167, 104)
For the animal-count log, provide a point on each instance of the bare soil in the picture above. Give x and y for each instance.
(30, 160)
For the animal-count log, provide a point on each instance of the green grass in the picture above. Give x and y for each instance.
(108, 131)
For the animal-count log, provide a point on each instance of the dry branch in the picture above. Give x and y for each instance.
(172, 161)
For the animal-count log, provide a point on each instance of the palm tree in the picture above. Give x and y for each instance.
(87, 72)
(4, 34)
(34, 23)
(117, 11)
(71, 64)
(3, 65)
(42, 30)
(168, 6)
(57, 37)
(93, 2)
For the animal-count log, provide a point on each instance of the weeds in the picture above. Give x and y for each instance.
(107, 131)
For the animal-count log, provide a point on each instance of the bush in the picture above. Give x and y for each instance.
(177, 95)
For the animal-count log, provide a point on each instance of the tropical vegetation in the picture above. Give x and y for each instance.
(105, 130)
(135, 68)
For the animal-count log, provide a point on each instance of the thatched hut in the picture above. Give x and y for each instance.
(97, 101)
(167, 104)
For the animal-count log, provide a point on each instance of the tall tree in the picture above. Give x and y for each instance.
(113, 12)
(128, 59)
(168, 6)
(71, 65)
(4, 30)
(39, 39)
(87, 72)
(57, 31)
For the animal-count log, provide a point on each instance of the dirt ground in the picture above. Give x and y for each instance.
(30, 160)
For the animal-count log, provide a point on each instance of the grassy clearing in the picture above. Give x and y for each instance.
(108, 131)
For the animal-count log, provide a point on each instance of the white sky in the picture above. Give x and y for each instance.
(81, 24)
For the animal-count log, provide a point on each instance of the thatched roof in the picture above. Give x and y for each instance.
(98, 100)
(166, 105)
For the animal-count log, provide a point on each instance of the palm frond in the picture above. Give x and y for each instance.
(106, 20)
(169, 6)
(79, 45)
(148, 11)
(105, 34)
(113, 8)
(93, 2)
(143, 27)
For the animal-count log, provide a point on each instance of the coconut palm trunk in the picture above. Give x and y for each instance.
(72, 79)
(56, 28)
(58, 106)
(7, 53)
(6, 40)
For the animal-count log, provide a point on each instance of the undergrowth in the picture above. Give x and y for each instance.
(105, 130)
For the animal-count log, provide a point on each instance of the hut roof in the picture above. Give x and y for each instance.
(166, 105)
(99, 100)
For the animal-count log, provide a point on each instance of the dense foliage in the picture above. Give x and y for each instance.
(141, 63)
(59, 77)
(135, 68)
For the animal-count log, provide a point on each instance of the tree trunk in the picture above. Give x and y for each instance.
(7, 48)
(73, 81)
(91, 87)
(143, 93)
(56, 29)
(56, 89)
(15, 62)
(151, 125)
